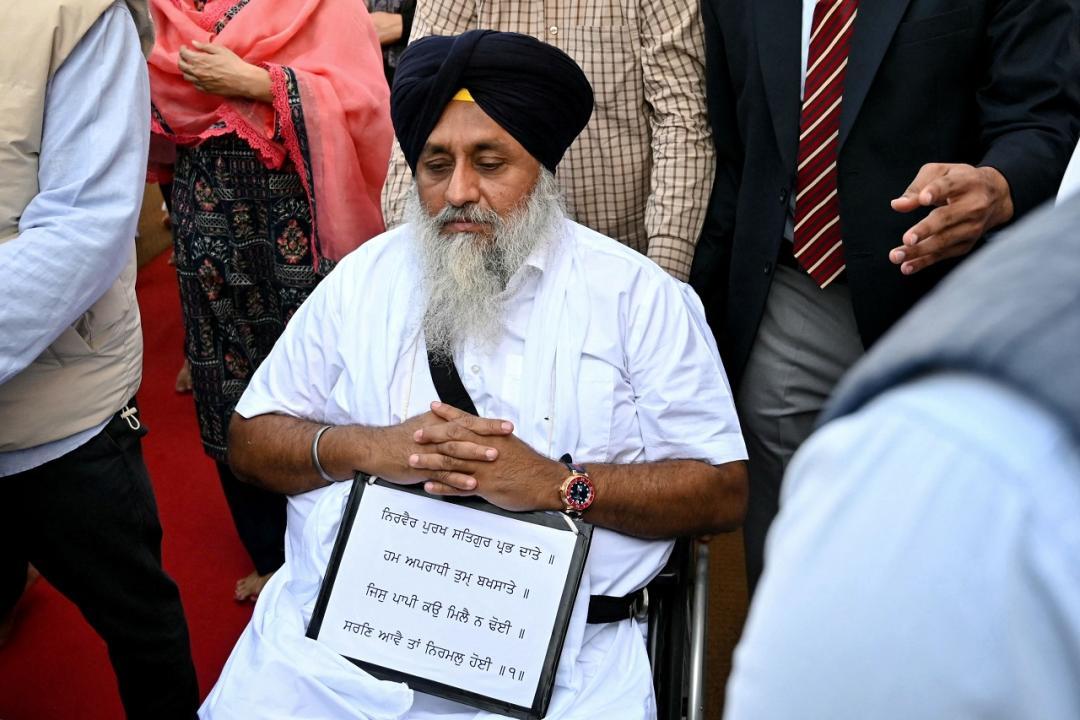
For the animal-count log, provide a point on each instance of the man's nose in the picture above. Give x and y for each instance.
(463, 187)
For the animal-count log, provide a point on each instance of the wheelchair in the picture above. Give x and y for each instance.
(677, 604)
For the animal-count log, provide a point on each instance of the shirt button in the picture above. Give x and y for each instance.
(783, 195)
(768, 268)
(475, 369)
(553, 30)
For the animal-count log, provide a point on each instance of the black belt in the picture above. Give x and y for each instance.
(786, 257)
(607, 609)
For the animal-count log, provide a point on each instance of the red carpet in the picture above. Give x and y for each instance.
(55, 667)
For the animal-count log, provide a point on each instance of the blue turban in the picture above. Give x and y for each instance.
(533, 90)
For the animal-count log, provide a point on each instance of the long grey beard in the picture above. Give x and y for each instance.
(465, 274)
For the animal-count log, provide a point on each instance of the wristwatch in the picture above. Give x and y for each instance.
(577, 491)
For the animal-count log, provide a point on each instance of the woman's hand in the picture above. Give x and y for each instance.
(219, 71)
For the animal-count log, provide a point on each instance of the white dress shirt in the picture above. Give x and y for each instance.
(605, 356)
(1070, 184)
(78, 232)
(923, 565)
(807, 23)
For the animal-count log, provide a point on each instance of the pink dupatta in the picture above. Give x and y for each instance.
(326, 54)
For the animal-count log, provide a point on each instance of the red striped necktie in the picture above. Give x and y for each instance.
(817, 243)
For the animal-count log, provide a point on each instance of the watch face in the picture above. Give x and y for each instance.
(579, 494)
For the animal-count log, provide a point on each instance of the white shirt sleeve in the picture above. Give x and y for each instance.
(923, 565)
(685, 408)
(1070, 184)
(305, 363)
(78, 232)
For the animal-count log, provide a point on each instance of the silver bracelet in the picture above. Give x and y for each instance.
(315, 454)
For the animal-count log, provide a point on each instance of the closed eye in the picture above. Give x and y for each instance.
(437, 167)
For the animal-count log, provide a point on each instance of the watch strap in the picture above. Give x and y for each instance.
(573, 467)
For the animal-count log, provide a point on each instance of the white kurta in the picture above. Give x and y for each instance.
(923, 565)
(604, 356)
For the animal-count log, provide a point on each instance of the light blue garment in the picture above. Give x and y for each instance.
(78, 232)
(923, 565)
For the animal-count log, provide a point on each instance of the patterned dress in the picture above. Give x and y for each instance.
(243, 237)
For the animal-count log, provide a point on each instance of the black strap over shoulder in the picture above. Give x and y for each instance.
(451, 390)
(448, 383)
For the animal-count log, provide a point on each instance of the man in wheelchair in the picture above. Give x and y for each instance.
(567, 344)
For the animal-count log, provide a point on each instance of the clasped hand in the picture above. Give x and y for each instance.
(217, 70)
(457, 454)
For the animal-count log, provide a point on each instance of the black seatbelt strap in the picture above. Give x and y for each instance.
(451, 390)
(448, 383)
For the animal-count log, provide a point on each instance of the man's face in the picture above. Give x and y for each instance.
(470, 162)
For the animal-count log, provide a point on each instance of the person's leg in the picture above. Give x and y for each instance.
(806, 341)
(166, 195)
(13, 567)
(259, 517)
(237, 284)
(9, 617)
(93, 532)
(183, 378)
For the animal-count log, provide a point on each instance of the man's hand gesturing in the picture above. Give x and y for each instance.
(969, 202)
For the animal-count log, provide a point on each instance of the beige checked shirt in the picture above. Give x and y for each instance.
(641, 171)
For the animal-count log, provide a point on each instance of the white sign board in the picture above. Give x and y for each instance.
(461, 600)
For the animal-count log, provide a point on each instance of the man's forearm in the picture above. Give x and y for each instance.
(683, 156)
(650, 500)
(274, 452)
(662, 499)
(669, 499)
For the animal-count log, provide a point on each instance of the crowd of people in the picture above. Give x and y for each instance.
(695, 267)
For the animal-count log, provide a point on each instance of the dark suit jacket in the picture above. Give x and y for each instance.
(985, 82)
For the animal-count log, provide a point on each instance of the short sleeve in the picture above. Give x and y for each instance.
(299, 373)
(681, 391)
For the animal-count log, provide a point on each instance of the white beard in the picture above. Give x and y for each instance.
(465, 274)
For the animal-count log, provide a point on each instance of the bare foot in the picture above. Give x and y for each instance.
(183, 378)
(248, 588)
(7, 623)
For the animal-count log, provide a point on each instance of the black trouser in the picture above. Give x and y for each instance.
(259, 516)
(166, 195)
(88, 522)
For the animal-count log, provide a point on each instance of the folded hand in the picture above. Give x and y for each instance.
(463, 457)
(218, 70)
